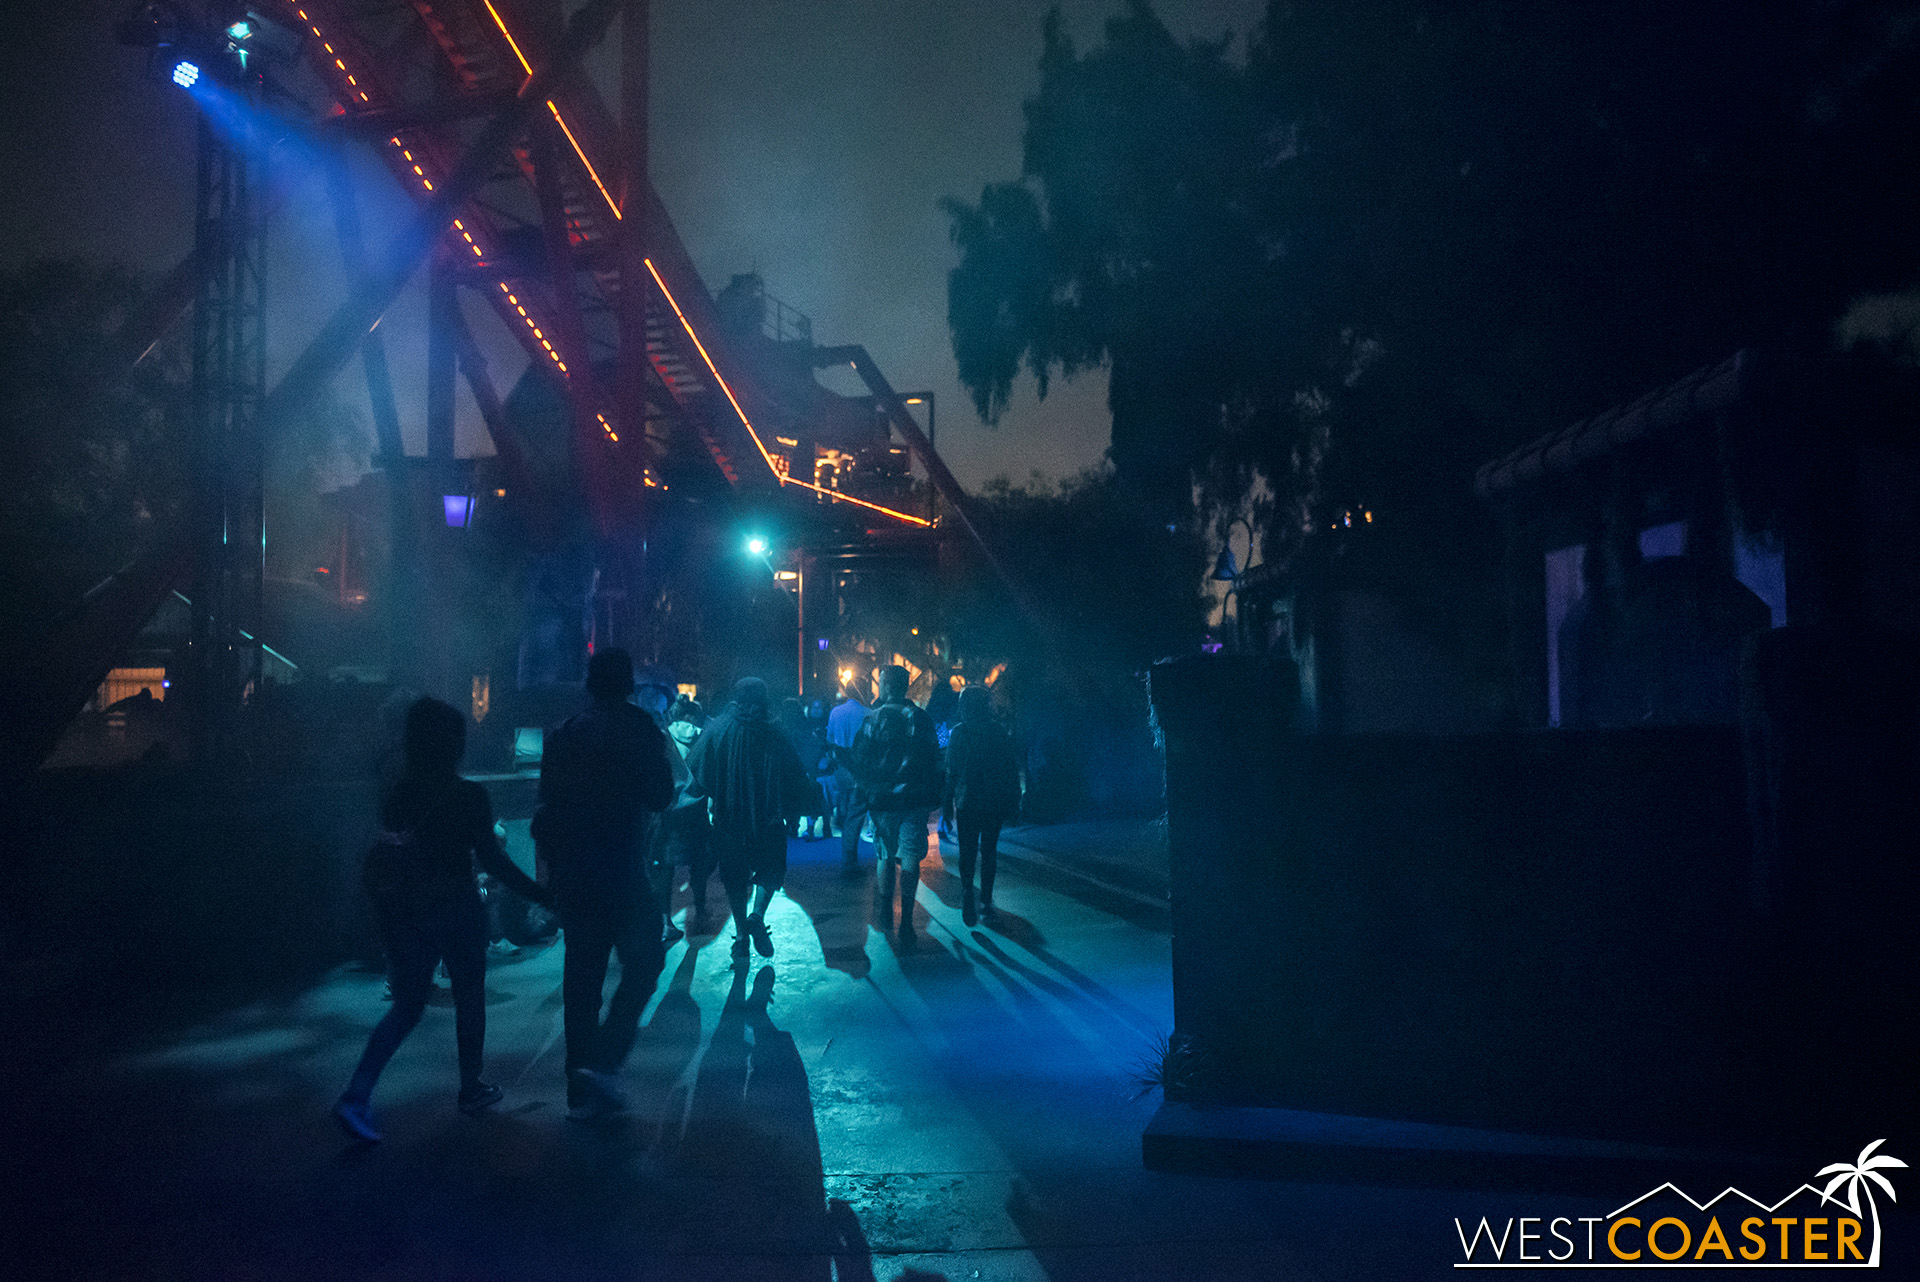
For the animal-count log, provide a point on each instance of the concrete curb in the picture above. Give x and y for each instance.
(1125, 895)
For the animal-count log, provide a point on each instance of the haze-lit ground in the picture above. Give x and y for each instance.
(968, 1110)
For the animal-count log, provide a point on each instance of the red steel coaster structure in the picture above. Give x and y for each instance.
(532, 192)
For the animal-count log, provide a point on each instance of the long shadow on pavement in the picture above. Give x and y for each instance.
(839, 906)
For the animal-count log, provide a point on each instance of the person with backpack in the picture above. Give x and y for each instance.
(420, 875)
(604, 774)
(896, 758)
(744, 765)
(982, 789)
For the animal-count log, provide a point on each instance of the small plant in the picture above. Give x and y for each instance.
(1171, 1064)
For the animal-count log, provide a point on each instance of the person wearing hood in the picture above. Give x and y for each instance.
(755, 783)
(982, 789)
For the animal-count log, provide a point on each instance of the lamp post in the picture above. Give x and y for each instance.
(1227, 570)
(759, 547)
(799, 576)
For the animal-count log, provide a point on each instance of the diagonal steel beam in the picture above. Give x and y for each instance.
(943, 482)
(340, 337)
(373, 350)
(54, 670)
(581, 390)
(526, 494)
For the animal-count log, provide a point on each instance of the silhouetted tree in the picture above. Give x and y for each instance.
(1400, 235)
(94, 467)
(1110, 584)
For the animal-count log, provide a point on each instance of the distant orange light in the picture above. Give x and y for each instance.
(747, 423)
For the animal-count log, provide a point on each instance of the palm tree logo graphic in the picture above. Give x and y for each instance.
(1855, 1175)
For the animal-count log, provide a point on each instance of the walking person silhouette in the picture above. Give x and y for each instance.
(983, 788)
(896, 758)
(434, 824)
(749, 770)
(604, 771)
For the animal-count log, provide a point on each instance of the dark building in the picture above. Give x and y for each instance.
(1647, 544)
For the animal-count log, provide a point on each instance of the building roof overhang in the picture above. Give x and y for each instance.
(1705, 392)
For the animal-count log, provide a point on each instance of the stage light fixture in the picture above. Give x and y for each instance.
(756, 546)
(185, 72)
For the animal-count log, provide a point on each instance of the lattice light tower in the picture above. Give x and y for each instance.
(229, 381)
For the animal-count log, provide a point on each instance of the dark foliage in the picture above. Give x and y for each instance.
(97, 466)
(1110, 585)
(1403, 234)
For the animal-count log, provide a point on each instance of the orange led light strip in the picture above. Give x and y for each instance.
(838, 497)
(513, 301)
(426, 183)
(352, 82)
(511, 42)
(578, 150)
(714, 369)
(748, 424)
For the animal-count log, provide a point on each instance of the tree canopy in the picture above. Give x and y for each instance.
(96, 468)
(1388, 239)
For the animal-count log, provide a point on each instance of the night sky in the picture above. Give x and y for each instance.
(809, 142)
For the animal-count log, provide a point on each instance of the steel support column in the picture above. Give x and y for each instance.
(632, 370)
(229, 382)
(592, 451)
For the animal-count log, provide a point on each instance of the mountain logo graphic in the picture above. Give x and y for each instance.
(1666, 1228)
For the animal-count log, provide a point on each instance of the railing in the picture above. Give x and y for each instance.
(784, 324)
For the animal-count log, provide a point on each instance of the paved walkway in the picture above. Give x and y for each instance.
(966, 1110)
(1128, 855)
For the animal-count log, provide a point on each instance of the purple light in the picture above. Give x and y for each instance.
(823, 643)
(459, 510)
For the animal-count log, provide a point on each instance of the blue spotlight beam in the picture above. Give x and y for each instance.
(340, 338)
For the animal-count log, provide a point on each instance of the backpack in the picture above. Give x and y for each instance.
(897, 758)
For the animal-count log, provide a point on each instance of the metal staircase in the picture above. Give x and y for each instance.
(487, 49)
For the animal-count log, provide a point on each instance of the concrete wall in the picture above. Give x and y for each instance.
(1559, 932)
